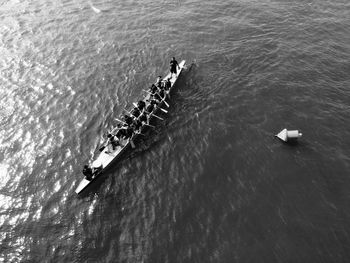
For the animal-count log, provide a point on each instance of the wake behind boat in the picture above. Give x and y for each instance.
(133, 125)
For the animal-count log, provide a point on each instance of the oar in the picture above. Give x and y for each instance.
(121, 121)
(157, 116)
(163, 110)
(134, 103)
(127, 111)
(149, 125)
(150, 93)
(166, 103)
(161, 100)
(132, 143)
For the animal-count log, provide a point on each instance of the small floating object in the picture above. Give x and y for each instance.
(286, 135)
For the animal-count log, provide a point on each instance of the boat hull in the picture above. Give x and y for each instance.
(106, 159)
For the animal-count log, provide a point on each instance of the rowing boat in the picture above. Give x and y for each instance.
(107, 157)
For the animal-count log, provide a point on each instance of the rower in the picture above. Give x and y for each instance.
(159, 96)
(151, 106)
(153, 88)
(136, 125)
(159, 82)
(112, 140)
(127, 132)
(143, 117)
(135, 112)
(127, 119)
(87, 172)
(141, 105)
(162, 93)
(167, 84)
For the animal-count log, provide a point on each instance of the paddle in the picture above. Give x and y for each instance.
(121, 121)
(132, 143)
(150, 93)
(149, 125)
(157, 116)
(166, 103)
(161, 100)
(165, 111)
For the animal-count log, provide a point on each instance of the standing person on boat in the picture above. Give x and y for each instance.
(173, 67)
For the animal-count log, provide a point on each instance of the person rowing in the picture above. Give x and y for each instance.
(113, 141)
(153, 88)
(87, 172)
(150, 106)
(160, 96)
(143, 117)
(167, 84)
(135, 112)
(141, 105)
(127, 119)
(136, 125)
(159, 82)
(173, 67)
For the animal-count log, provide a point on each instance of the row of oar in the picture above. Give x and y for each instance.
(146, 124)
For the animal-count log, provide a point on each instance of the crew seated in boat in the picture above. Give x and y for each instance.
(153, 88)
(151, 106)
(135, 112)
(87, 172)
(129, 132)
(127, 119)
(113, 141)
(136, 125)
(141, 105)
(159, 82)
(143, 117)
(167, 84)
(159, 96)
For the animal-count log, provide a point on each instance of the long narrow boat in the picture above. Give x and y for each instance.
(106, 158)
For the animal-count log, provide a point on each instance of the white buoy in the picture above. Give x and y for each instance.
(286, 135)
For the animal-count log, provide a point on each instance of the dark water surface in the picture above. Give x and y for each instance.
(210, 183)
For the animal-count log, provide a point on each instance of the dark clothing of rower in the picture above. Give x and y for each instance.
(87, 172)
(157, 97)
(113, 141)
(173, 66)
(129, 132)
(153, 88)
(141, 105)
(159, 82)
(127, 119)
(161, 93)
(136, 125)
(143, 117)
(151, 106)
(167, 84)
(135, 112)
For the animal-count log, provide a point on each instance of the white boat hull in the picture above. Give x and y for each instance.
(105, 159)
